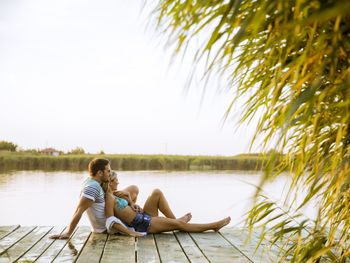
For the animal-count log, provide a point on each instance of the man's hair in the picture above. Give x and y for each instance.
(97, 165)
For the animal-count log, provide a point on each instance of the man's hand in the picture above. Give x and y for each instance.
(84, 203)
(122, 194)
(60, 236)
(136, 208)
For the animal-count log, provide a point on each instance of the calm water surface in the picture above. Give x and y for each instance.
(50, 198)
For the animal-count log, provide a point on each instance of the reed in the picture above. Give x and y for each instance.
(30, 161)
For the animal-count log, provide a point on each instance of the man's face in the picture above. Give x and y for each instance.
(106, 173)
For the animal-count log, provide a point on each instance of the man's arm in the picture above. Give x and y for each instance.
(84, 203)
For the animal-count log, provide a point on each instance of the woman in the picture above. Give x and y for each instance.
(148, 219)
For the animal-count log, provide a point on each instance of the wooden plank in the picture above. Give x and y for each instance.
(40, 247)
(5, 259)
(190, 247)
(93, 248)
(217, 249)
(241, 239)
(119, 249)
(18, 249)
(147, 250)
(55, 248)
(72, 249)
(14, 237)
(281, 246)
(169, 249)
(6, 230)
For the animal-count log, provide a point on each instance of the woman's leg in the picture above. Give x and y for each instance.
(133, 190)
(157, 201)
(161, 224)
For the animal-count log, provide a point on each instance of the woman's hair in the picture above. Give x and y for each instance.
(105, 185)
(112, 175)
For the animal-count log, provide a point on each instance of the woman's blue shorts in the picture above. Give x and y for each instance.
(141, 222)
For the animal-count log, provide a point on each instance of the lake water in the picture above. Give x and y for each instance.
(50, 198)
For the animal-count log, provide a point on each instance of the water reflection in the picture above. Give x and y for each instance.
(72, 248)
(49, 198)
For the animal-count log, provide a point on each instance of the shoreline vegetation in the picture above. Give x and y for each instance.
(128, 162)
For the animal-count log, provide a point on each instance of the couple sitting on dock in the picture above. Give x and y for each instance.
(115, 211)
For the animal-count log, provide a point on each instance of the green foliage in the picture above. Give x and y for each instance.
(289, 62)
(8, 146)
(77, 150)
(32, 151)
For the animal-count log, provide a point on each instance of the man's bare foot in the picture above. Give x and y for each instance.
(185, 218)
(220, 224)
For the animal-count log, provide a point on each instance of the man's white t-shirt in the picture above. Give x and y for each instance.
(92, 190)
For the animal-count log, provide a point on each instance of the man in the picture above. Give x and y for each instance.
(92, 200)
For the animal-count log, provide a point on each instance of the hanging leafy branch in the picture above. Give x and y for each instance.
(289, 61)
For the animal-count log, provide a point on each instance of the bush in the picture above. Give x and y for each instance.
(8, 146)
(77, 150)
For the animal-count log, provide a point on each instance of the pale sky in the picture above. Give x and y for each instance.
(91, 74)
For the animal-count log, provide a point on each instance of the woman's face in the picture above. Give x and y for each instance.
(113, 184)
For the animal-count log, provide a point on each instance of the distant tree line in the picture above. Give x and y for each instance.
(12, 147)
(8, 146)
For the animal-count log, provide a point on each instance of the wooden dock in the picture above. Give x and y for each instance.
(31, 244)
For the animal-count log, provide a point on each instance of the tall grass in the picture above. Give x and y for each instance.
(27, 161)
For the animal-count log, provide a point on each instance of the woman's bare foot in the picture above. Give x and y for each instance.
(185, 218)
(220, 224)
